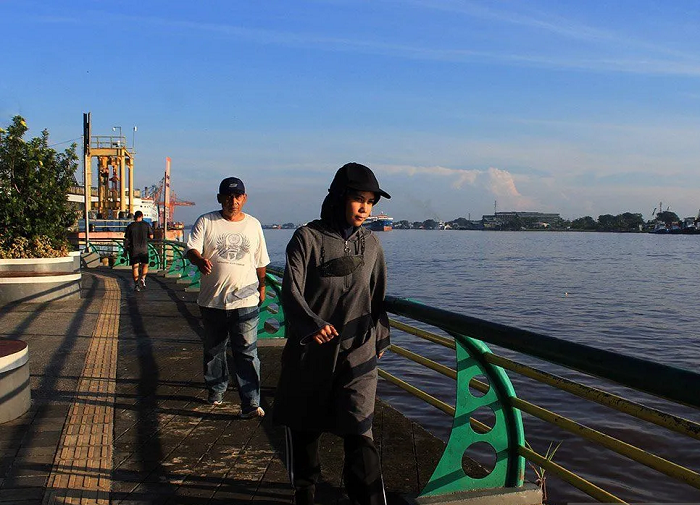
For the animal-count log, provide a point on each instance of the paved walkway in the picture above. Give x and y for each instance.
(119, 414)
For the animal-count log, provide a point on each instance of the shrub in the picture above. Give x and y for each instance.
(34, 183)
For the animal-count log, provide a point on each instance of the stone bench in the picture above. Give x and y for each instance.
(15, 392)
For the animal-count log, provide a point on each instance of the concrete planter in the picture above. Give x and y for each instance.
(40, 279)
(15, 393)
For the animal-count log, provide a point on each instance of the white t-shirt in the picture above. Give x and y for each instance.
(235, 249)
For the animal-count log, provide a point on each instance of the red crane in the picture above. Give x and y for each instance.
(157, 193)
(175, 201)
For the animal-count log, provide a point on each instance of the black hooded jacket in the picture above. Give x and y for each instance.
(332, 386)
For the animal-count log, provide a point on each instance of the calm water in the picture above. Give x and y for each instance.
(630, 293)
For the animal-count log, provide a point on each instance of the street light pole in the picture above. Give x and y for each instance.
(114, 128)
(133, 139)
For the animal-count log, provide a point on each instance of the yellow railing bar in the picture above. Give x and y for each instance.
(660, 418)
(578, 482)
(669, 421)
(478, 426)
(446, 408)
(422, 360)
(444, 370)
(437, 339)
(657, 463)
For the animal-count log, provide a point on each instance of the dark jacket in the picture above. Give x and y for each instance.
(331, 387)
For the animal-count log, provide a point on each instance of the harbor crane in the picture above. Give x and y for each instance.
(157, 193)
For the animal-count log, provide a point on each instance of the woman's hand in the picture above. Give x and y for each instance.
(325, 334)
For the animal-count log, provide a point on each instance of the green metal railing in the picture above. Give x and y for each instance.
(673, 384)
(482, 385)
(168, 258)
(114, 249)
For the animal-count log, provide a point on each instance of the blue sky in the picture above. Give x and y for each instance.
(577, 107)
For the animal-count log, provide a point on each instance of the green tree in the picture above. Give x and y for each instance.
(584, 223)
(630, 222)
(34, 183)
(667, 217)
(607, 222)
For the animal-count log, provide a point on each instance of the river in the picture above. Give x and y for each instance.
(629, 293)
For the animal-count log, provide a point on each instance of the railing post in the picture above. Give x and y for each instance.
(504, 437)
(272, 322)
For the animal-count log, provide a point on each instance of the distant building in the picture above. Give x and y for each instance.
(537, 219)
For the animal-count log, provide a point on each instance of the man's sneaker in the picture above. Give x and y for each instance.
(137, 286)
(215, 398)
(142, 282)
(256, 412)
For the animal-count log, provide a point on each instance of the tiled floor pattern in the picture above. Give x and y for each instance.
(83, 462)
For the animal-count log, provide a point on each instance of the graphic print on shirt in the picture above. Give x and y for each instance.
(232, 246)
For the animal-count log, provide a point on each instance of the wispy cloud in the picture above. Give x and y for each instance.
(549, 22)
(646, 58)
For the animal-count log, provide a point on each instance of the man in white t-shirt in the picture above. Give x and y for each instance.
(228, 248)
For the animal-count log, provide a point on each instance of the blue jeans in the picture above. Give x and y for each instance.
(240, 328)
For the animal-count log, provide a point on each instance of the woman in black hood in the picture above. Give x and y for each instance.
(333, 298)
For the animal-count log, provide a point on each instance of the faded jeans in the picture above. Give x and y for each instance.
(240, 328)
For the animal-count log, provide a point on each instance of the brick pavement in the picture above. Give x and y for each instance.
(119, 413)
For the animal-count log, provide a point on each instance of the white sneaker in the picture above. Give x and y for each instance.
(142, 283)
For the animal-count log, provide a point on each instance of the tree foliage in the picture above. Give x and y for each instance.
(667, 217)
(584, 223)
(34, 183)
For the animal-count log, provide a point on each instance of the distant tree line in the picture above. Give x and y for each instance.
(625, 222)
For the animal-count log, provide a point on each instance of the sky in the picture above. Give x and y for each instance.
(460, 107)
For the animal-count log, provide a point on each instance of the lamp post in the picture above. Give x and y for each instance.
(133, 139)
(115, 128)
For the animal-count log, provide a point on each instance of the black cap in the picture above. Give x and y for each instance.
(231, 186)
(357, 177)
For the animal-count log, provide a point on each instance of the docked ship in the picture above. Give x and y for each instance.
(381, 222)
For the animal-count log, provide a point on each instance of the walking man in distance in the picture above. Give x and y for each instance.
(136, 239)
(228, 248)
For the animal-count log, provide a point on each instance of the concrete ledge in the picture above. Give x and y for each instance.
(64, 264)
(528, 494)
(15, 392)
(40, 288)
